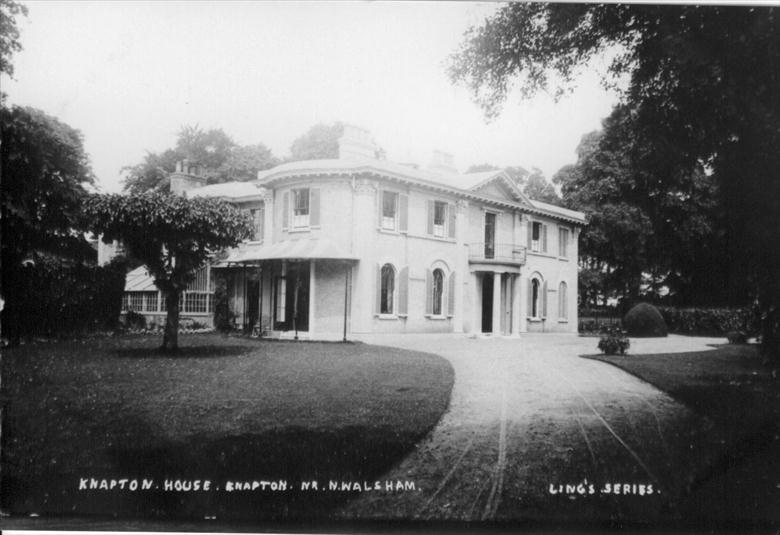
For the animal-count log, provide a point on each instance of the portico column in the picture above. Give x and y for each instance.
(516, 304)
(496, 303)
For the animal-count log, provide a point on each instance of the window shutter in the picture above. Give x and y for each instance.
(403, 292)
(451, 296)
(379, 208)
(530, 311)
(430, 218)
(378, 300)
(261, 225)
(544, 238)
(285, 210)
(428, 292)
(403, 215)
(544, 299)
(314, 207)
(530, 233)
(451, 212)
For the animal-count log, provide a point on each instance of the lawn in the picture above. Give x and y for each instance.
(225, 409)
(739, 399)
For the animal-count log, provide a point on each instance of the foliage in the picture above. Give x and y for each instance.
(614, 343)
(709, 321)
(222, 159)
(736, 337)
(9, 33)
(53, 298)
(45, 175)
(223, 316)
(173, 236)
(644, 320)
(135, 321)
(320, 142)
(701, 90)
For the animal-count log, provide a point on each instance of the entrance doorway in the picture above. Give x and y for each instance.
(487, 302)
(253, 304)
(291, 298)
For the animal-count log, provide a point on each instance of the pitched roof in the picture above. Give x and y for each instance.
(227, 190)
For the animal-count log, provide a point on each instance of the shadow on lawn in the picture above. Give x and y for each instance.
(291, 455)
(183, 352)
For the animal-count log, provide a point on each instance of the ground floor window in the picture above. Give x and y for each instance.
(535, 288)
(563, 312)
(438, 291)
(387, 288)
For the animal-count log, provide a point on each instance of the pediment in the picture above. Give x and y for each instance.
(501, 187)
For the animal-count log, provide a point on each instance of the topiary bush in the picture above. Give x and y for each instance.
(644, 320)
(614, 343)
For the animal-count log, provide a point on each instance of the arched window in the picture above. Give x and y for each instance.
(534, 298)
(563, 305)
(438, 291)
(387, 289)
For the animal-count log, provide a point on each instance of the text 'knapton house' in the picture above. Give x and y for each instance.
(362, 245)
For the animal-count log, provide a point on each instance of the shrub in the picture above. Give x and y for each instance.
(736, 337)
(710, 321)
(644, 320)
(223, 317)
(135, 321)
(614, 343)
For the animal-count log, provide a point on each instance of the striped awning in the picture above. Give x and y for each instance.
(139, 280)
(303, 249)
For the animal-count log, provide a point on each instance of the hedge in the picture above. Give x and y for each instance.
(52, 299)
(709, 321)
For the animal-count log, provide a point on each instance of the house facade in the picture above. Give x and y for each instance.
(361, 245)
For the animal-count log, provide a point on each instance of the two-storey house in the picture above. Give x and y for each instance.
(362, 245)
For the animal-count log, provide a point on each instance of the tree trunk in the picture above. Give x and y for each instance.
(170, 342)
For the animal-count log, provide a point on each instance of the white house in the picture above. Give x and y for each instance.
(361, 245)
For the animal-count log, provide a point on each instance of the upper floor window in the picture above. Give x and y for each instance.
(387, 278)
(537, 237)
(439, 218)
(389, 210)
(300, 202)
(258, 222)
(563, 242)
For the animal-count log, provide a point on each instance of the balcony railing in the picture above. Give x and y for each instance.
(500, 253)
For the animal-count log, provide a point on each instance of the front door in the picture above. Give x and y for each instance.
(252, 304)
(487, 302)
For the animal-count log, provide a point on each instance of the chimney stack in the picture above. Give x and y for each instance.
(356, 143)
(186, 177)
(442, 163)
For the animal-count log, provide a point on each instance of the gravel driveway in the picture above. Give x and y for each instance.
(534, 432)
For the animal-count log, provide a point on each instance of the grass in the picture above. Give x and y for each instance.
(739, 398)
(223, 409)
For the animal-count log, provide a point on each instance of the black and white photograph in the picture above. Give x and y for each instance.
(370, 266)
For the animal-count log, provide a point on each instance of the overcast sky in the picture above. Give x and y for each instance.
(129, 75)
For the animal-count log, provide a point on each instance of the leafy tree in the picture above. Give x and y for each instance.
(320, 142)
(702, 88)
(220, 157)
(173, 236)
(9, 33)
(45, 177)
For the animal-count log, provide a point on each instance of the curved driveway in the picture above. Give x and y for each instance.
(528, 417)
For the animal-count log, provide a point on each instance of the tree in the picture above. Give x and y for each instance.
(9, 33)
(702, 87)
(320, 142)
(222, 159)
(172, 235)
(45, 175)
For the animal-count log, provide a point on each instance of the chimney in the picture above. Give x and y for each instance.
(186, 177)
(356, 143)
(442, 163)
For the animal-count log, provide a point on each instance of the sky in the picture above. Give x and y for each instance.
(129, 75)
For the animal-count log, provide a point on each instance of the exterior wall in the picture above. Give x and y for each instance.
(349, 209)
